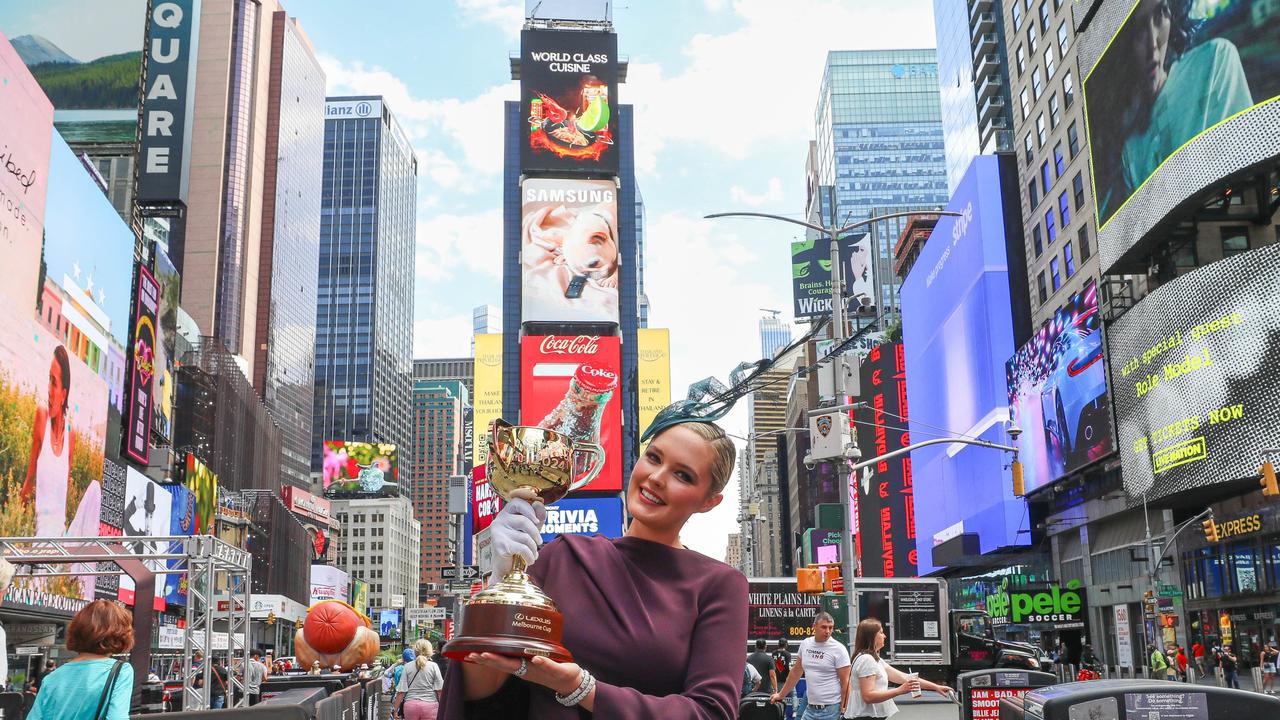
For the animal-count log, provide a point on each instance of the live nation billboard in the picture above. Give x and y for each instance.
(886, 500)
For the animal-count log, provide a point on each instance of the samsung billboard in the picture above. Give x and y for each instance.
(958, 325)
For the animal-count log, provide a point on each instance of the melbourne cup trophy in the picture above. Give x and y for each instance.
(512, 616)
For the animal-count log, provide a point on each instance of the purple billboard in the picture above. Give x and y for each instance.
(958, 332)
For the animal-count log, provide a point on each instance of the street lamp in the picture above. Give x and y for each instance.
(834, 234)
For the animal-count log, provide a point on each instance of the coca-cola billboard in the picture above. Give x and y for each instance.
(571, 384)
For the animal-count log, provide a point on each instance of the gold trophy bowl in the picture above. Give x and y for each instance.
(514, 617)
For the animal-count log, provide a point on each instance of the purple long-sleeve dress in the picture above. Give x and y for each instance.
(663, 631)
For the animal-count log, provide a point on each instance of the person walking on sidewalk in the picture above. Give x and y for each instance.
(763, 663)
(1229, 667)
(871, 697)
(1181, 661)
(1269, 657)
(782, 668)
(1197, 654)
(825, 664)
(1159, 667)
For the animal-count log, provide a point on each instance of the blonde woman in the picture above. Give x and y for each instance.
(416, 694)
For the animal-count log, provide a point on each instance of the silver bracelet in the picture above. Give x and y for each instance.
(584, 688)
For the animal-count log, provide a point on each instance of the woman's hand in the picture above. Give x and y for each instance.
(943, 690)
(517, 530)
(563, 678)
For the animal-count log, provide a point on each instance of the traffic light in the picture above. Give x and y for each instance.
(1210, 530)
(830, 576)
(1268, 482)
(809, 580)
(1019, 485)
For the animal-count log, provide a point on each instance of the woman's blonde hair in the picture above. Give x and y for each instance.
(723, 448)
(422, 648)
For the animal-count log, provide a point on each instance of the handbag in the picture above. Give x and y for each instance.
(106, 690)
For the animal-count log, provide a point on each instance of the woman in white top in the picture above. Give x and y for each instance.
(416, 695)
(870, 696)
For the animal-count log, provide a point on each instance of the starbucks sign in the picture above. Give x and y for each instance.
(1060, 606)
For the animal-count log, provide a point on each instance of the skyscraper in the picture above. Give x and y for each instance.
(364, 312)
(438, 410)
(879, 149)
(284, 345)
(775, 334)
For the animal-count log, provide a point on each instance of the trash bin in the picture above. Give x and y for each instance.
(1115, 699)
(982, 690)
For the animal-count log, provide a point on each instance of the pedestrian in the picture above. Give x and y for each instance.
(750, 679)
(1269, 658)
(781, 668)
(217, 684)
(824, 662)
(254, 673)
(1159, 666)
(762, 661)
(1229, 667)
(1180, 660)
(1197, 654)
(417, 693)
(1171, 659)
(92, 685)
(870, 696)
(646, 582)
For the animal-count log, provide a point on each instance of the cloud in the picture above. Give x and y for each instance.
(438, 333)
(448, 242)
(772, 196)
(508, 15)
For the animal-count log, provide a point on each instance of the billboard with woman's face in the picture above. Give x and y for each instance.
(1174, 70)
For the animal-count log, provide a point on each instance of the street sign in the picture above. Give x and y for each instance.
(425, 614)
(460, 572)
(460, 586)
(1170, 591)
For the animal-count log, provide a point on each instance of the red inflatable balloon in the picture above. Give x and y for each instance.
(330, 626)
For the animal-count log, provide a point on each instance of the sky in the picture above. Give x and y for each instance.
(724, 94)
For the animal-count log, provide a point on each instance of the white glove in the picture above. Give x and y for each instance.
(517, 530)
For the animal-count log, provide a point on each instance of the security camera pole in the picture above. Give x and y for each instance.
(844, 479)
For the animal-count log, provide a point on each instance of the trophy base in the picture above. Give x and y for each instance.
(512, 630)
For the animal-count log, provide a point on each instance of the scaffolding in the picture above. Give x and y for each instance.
(205, 558)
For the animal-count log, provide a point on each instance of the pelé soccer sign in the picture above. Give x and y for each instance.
(1062, 606)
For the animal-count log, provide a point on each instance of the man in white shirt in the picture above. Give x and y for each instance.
(825, 663)
(254, 673)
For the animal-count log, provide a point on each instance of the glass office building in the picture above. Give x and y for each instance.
(879, 147)
(364, 305)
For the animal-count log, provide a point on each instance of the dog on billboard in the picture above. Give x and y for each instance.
(570, 259)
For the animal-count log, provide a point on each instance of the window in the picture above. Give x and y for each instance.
(1030, 147)
(1044, 294)
(1049, 64)
(1073, 140)
(1032, 195)
(1083, 237)
(1045, 181)
(1055, 113)
(1041, 133)
(1068, 259)
(1025, 102)
(1235, 240)
(1021, 57)
(1044, 17)
(1017, 16)
(1064, 211)
(1077, 187)
(1068, 89)
(1055, 273)
(1059, 162)
(1032, 42)
(1037, 241)
(1050, 230)
(1037, 83)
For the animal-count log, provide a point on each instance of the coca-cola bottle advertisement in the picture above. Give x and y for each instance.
(571, 384)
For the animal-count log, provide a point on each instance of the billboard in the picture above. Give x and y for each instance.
(329, 583)
(570, 384)
(569, 256)
(140, 403)
(168, 101)
(27, 136)
(307, 505)
(811, 273)
(1058, 393)
(776, 611)
(584, 516)
(569, 96)
(162, 387)
(653, 346)
(147, 510)
(488, 394)
(1195, 370)
(886, 497)
(353, 469)
(485, 501)
(182, 521)
(388, 623)
(1178, 70)
(359, 595)
(203, 483)
(958, 333)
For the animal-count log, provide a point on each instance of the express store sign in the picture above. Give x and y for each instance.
(571, 384)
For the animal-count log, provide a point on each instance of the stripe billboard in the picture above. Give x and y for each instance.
(488, 393)
(654, 348)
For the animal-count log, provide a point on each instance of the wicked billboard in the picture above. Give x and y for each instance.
(569, 96)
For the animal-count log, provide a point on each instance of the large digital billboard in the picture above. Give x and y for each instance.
(487, 396)
(1174, 70)
(182, 521)
(957, 330)
(354, 469)
(584, 516)
(147, 509)
(203, 484)
(27, 137)
(141, 356)
(886, 497)
(1058, 393)
(570, 384)
(163, 391)
(569, 254)
(569, 97)
(654, 373)
(1195, 368)
(811, 274)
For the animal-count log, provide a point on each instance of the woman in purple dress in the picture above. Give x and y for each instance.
(656, 630)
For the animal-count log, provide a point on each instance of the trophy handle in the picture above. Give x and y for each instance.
(596, 467)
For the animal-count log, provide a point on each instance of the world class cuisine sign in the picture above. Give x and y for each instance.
(1195, 368)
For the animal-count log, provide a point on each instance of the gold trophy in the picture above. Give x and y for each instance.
(514, 617)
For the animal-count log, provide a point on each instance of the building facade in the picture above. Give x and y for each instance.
(775, 334)
(879, 149)
(284, 346)
(379, 543)
(364, 307)
(438, 414)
